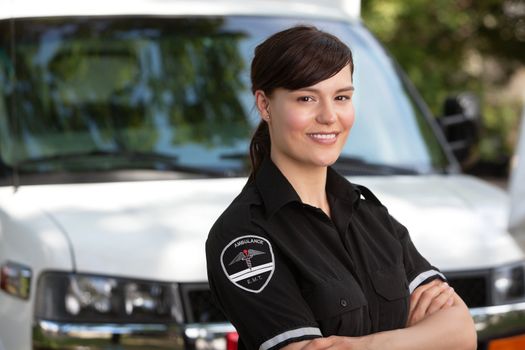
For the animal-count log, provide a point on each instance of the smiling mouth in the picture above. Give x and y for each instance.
(324, 137)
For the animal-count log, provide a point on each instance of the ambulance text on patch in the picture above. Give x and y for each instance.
(248, 262)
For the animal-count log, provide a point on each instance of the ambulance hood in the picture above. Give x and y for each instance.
(157, 229)
(458, 222)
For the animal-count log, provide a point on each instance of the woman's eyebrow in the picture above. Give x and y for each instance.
(348, 88)
(344, 89)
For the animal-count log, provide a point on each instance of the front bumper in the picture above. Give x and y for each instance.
(493, 322)
(71, 336)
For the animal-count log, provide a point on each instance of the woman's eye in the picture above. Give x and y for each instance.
(343, 98)
(305, 99)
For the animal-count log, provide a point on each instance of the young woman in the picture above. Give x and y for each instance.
(304, 259)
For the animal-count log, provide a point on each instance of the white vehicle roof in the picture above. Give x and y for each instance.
(334, 9)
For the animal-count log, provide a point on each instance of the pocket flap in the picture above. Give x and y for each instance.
(391, 283)
(334, 297)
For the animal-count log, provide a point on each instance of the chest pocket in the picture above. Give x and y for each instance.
(339, 307)
(391, 287)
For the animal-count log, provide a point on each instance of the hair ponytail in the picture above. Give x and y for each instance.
(260, 146)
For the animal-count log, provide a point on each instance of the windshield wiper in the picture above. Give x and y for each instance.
(349, 166)
(159, 161)
(235, 155)
(359, 166)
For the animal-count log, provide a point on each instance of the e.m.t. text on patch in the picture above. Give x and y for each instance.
(248, 262)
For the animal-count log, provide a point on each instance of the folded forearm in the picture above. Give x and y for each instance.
(450, 328)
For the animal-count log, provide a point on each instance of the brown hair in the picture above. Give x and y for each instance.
(292, 59)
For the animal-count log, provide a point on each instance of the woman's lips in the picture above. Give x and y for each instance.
(325, 138)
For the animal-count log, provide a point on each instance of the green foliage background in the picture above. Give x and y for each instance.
(451, 46)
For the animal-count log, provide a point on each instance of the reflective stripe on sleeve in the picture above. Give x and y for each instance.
(422, 277)
(294, 333)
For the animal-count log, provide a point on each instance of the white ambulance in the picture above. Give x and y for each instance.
(124, 130)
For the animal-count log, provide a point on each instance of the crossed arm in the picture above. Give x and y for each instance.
(438, 319)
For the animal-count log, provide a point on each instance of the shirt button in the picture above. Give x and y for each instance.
(343, 302)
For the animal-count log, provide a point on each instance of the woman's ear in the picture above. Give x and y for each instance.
(263, 105)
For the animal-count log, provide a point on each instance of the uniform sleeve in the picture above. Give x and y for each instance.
(418, 270)
(256, 290)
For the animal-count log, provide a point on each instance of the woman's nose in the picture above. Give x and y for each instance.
(326, 114)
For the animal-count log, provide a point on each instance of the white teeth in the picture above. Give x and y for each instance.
(323, 136)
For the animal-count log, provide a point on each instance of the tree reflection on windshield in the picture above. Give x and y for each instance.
(146, 86)
(178, 87)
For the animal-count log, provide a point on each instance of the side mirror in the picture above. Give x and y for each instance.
(461, 123)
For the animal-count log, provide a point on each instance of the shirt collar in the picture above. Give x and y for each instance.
(274, 188)
(338, 186)
(276, 191)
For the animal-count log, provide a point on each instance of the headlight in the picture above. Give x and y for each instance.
(89, 298)
(509, 283)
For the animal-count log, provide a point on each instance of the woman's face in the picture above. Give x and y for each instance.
(308, 127)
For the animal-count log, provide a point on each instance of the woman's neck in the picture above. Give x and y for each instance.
(308, 182)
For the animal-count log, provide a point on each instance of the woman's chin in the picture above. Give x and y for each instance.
(325, 162)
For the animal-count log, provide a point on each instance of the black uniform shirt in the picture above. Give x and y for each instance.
(283, 271)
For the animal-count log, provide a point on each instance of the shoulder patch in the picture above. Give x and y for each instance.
(248, 262)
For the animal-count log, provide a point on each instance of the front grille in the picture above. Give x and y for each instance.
(203, 307)
(472, 287)
(200, 306)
